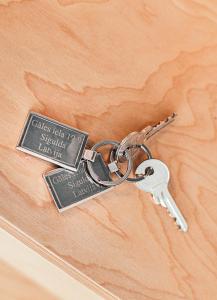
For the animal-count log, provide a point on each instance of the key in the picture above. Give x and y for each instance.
(157, 185)
(137, 138)
(53, 141)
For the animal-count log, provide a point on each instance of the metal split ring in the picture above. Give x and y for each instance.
(123, 177)
(113, 157)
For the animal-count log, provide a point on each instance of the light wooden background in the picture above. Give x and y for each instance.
(109, 67)
(25, 275)
(14, 285)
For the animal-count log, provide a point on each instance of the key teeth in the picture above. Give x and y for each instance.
(170, 118)
(169, 213)
(183, 228)
(175, 220)
(177, 224)
(180, 227)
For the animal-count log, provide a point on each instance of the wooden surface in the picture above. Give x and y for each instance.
(14, 285)
(110, 67)
(25, 274)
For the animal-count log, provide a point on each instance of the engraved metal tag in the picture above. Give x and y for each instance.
(72, 188)
(53, 141)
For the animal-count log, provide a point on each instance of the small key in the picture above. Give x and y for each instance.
(157, 185)
(137, 138)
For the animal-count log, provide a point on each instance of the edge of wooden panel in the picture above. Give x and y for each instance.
(55, 259)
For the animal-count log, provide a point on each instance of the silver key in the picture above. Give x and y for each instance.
(157, 185)
(137, 138)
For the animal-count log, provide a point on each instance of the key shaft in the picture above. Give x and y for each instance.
(140, 137)
(174, 210)
(157, 127)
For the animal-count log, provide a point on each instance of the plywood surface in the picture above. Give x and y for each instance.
(15, 286)
(25, 274)
(110, 67)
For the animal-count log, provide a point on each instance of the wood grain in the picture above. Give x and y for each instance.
(110, 67)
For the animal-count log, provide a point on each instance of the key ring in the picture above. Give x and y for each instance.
(96, 178)
(138, 178)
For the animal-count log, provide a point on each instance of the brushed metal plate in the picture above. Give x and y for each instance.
(53, 141)
(69, 188)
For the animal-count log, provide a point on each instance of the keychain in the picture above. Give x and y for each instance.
(84, 173)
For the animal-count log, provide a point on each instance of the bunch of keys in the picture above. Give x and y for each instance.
(83, 173)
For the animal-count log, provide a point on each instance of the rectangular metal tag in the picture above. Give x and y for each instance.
(72, 188)
(53, 141)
